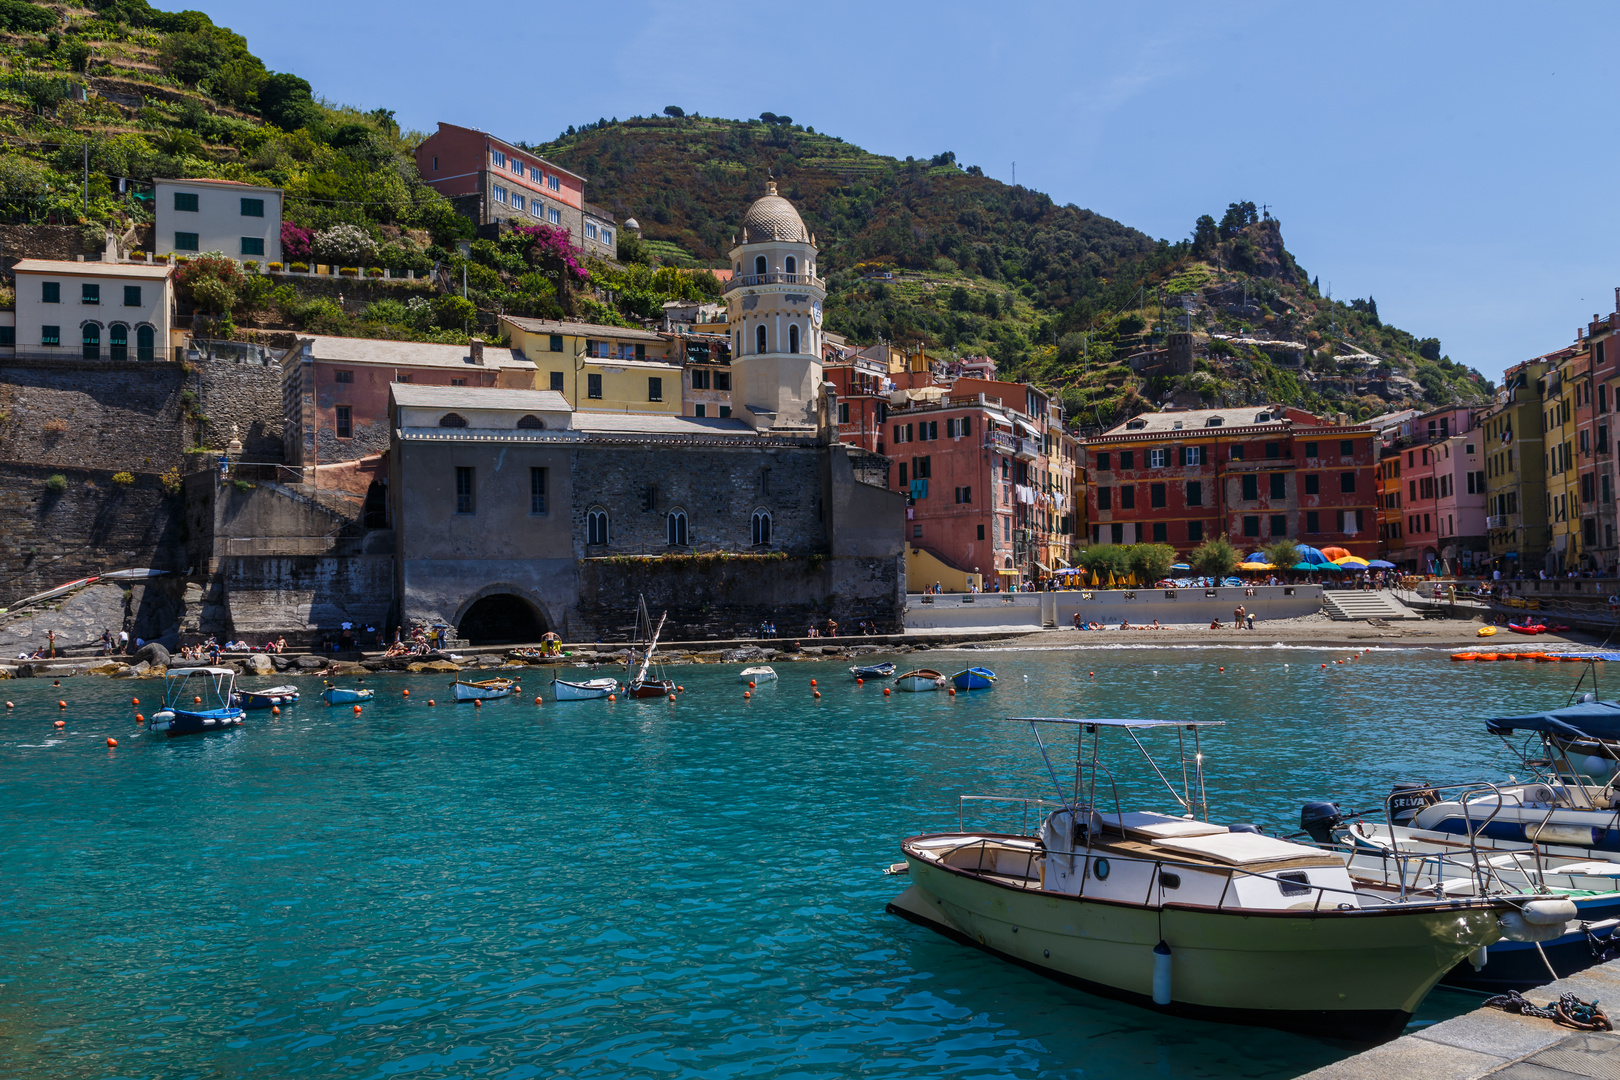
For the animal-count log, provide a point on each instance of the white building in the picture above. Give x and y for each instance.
(94, 310)
(238, 220)
(773, 303)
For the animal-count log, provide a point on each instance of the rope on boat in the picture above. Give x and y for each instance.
(1568, 1010)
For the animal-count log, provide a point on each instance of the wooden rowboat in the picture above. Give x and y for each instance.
(920, 680)
(484, 690)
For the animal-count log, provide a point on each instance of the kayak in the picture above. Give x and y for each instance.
(1534, 628)
(1487, 631)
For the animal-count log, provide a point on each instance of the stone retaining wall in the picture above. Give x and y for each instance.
(952, 611)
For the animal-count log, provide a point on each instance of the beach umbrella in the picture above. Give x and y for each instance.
(1255, 565)
(1180, 566)
(1310, 554)
(1314, 566)
(1352, 561)
(1334, 554)
(1380, 564)
(1255, 556)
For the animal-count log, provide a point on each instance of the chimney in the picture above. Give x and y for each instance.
(476, 346)
(1344, 419)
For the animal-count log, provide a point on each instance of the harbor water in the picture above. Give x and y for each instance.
(596, 889)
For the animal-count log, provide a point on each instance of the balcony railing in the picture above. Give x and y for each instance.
(743, 281)
(1496, 521)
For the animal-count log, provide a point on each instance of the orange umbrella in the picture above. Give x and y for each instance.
(1334, 554)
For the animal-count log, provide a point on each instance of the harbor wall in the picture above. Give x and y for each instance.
(965, 611)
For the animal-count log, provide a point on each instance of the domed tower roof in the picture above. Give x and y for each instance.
(773, 218)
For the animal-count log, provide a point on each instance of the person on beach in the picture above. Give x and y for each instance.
(1214, 624)
(50, 637)
(1077, 623)
(832, 627)
(1237, 618)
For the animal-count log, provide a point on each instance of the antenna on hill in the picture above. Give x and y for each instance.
(1015, 174)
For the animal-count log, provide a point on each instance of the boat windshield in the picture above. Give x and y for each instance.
(1081, 791)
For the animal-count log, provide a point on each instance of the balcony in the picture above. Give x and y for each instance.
(1496, 521)
(744, 281)
(1007, 443)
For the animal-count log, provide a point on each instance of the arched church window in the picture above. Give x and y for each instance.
(531, 422)
(675, 528)
(761, 528)
(793, 338)
(596, 526)
(790, 265)
(451, 419)
(759, 338)
(759, 265)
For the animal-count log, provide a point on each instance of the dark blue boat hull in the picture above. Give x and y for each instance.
(200, 723)
(1515, 965)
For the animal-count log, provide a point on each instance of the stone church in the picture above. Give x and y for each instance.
(516, 514)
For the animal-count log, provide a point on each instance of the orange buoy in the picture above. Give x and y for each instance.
(196, 701)
(1324, 667)
(682, 689)
(747, 694)
(537, 700)
(139, 719)
(430, 703)
(750, 684)
(812, 682)
(818, 694)
(61, 704)
(611, 697)
(1223, 669)
(476, 704)
(672, 697)
(860, 682)
(885, 691)
(407, 693)
(61, 723)
(275, 710)
(112, 741)
(134, 701)
(951, 692)
(357, 710)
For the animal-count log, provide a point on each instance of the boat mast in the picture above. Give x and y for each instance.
(651, 645)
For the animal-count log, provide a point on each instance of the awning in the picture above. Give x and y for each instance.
(1010, 573)
(1043, 566)
(1030, 429)
(1596, 719)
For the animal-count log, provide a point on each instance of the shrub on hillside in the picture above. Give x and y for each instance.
(346, 245)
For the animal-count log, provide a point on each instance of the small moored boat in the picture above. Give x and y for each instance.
(584, 690)
(641, 684)
(920, 680)
(342, 695)
(873, 671)
(265, 699)
(197, 700)
(974, 678)
(765, 673)
(483, 690)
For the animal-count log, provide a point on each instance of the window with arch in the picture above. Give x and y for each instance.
(793, 338)
(675, 528)
(451, 419)
(790, 265)
(144, 343)
(759, 265)
(91, 338)
(759, 338)
(761, 528)
(118, 341)
(596, 526)
(531, 422)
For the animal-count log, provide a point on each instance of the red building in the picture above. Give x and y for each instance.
(491, 180)
(1254, 473)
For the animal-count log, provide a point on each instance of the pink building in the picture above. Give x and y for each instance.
(491, 181)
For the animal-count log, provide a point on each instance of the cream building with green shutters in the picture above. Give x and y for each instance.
(241, 221)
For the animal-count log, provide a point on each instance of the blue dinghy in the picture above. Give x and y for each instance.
(338, 695)
(974, 678)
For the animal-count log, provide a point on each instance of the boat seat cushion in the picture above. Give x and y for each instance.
(1145, 825)
(1238, 849)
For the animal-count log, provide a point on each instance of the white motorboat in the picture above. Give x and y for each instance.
(920, 680)
(765, 673)
(1188, 916)
(584, 690)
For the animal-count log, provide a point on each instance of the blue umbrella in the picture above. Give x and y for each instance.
(1310, 554)
(1380, 564)
(1180, 566)
(1255, 556)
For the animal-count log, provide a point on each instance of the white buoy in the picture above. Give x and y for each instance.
(1479, 957)
(1161, 974)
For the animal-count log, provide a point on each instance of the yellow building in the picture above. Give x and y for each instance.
(1515, 469)
(1562, 401)
(600, 368)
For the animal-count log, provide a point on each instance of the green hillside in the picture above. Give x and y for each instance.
(917, 252)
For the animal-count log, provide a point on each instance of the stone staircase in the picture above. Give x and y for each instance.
(1346, 605)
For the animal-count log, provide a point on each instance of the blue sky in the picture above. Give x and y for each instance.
(1455, 162)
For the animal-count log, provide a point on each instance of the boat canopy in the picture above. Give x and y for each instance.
(178, 673)
(1594, 719)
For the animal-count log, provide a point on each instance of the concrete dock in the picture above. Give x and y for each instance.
(1501, 1045)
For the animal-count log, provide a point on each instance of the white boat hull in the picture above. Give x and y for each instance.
(757, 675)
(585, 691)
(1357, 974)
(917, 684)
(469, 692)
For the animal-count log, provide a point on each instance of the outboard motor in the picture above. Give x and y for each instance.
(1319, 819)
(1407, 797)
(1256, 829)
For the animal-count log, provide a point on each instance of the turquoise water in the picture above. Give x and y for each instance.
(636, 888)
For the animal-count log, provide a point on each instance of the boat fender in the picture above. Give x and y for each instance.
(1479, 957)
(1515, 928)
(1551, 911)
(1580, 835)
(1161, 974)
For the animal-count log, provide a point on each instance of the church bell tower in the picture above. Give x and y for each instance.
(774, 303)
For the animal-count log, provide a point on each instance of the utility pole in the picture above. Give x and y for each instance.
(87, 178)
